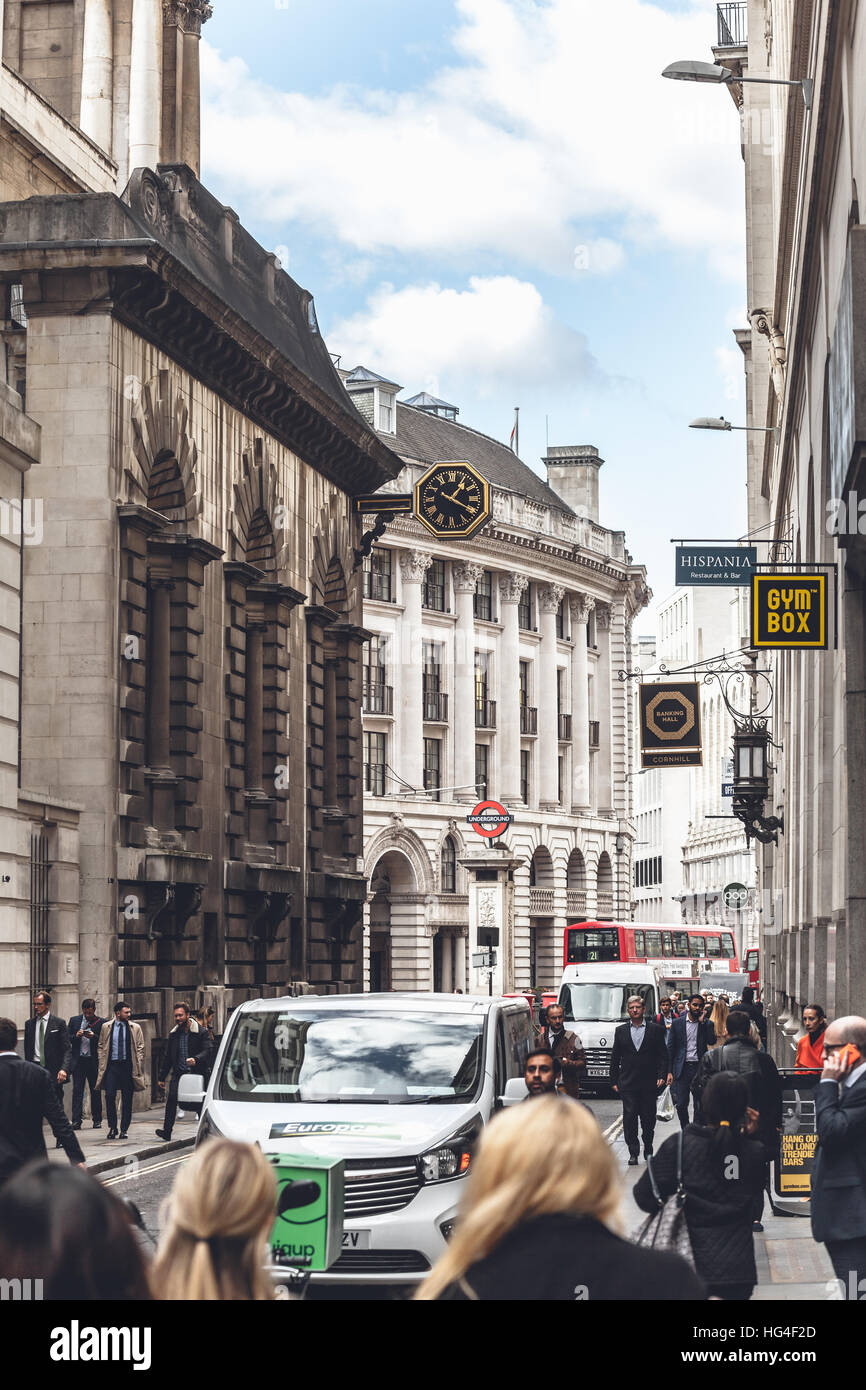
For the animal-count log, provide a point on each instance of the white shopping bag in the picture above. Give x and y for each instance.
(665, 1108)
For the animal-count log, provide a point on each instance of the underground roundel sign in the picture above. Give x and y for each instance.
(489, 818)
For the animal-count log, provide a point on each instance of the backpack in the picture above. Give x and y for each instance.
(743, 1061)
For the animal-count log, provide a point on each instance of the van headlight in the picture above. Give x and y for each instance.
(451, 1158)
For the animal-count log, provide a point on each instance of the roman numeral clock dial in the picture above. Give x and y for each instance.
(452, 499)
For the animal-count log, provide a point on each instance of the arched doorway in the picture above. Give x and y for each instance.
(605, 909)
(543, 966)
(575, 887)
(400, 949)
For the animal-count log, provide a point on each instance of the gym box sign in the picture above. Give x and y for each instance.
(789, 611)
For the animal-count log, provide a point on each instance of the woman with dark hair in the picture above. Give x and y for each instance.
(723, 1171)
(810, 1048)
(62, 1226)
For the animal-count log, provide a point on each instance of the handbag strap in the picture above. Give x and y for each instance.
(653, 1184)
(680, 1192)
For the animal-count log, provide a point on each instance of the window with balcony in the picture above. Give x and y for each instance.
(378, 581)
(483, 598)
(485, 708)
(528, 715)
(448, 864)
(525, 609)
(482, 770)
(378, 696)
(434, 699)
(525, 756)
(433, 766)
(375, 758)
(434, 591)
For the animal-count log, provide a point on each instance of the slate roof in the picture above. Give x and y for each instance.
(425, 399)
(425, 438)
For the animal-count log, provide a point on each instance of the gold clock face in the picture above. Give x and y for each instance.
(452, 499)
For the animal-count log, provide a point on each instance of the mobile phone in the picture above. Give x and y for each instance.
(848, 1056)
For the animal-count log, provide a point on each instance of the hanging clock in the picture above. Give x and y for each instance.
(452, 499)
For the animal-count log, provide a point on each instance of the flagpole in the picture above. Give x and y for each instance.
(517, 429)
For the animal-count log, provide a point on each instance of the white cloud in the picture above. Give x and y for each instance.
(548, 124)
(498, 333)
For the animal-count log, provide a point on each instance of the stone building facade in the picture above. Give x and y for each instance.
(492, 672)
(192, 647)
(805, 357)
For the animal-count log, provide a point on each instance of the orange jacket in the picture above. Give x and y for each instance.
(810, 1057)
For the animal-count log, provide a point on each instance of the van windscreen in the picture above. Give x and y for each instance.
(357, 1057)
(595, 1002)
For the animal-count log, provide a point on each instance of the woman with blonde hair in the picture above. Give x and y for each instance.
(217, 1221)
(537, 1217)
(719, 1020)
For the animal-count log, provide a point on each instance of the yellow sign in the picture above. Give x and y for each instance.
(789, 611)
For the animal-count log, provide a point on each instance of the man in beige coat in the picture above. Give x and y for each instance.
(121, 1067)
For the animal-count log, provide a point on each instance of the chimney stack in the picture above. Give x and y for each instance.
(572, 472)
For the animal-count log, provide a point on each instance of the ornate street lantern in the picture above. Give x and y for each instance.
(751, 782)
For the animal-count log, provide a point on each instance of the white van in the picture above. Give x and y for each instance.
(398, 1085)
(594, 998)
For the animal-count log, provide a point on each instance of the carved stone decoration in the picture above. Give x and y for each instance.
(603, 614)
(151, 195)
(160, 901)
(160, 431)
(581, 606)
(512, 587)
(266, 912)
(187, 15)
(768, 29)
(414, 564)
(762, 320)
(466, 576)
(256, 497)
(188, 898)
(334, 540)
(550, 596)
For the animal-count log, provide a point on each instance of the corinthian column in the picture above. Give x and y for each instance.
(581, 607)
(413, 566)
(511, 588)
(97, 72)
(603, 781)
(549, 599)
(466, 576)
(144, 84)
(197, 12)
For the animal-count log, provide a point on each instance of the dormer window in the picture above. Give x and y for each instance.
(385, 411)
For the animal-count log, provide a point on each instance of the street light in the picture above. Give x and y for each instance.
(710, 422)
(691, 71)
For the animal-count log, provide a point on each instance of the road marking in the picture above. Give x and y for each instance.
(609, 1134)
(141, 1171)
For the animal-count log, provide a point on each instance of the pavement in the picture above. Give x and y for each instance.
(102, 1154)
(791, 1265)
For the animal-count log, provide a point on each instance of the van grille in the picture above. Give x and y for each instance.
(376, 1190)
(598, 1061)
(380, 1262)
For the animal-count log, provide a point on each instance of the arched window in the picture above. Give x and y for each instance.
(448, 861)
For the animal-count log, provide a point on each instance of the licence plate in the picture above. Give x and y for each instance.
(596, 1071)
(356, 1240)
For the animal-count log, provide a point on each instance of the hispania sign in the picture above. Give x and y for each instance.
(715, 564)
(670, 725)
(789, 611)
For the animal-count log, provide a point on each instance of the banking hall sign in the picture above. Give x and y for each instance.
(670, 725)
(790, 611)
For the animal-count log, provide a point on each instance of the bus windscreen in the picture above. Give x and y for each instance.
(596, 945)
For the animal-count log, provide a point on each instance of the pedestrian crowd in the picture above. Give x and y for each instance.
(543, 1190)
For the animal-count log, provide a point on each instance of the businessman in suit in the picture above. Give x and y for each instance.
(46, 1041)
(27, 1097)
(84, 1031)
(839, 1175)
(688, 1039)
(639, 1070)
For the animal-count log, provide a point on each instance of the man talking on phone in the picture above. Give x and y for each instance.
(839, 1175)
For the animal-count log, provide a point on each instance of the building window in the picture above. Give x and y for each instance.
(561, 785)
(482, 677)
(39, 900)
(448, 860)
(482, 763)
(375, 749)
(523, 678)
(524, 609)
(377, 576)
(386, 411)
(561, 622)
(483, 599)
(590, 630)
(524, 775)
(434, 587)
(433, 766)
(433, 697)
(377, 694)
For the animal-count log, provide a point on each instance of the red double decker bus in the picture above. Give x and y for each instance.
(680, 954)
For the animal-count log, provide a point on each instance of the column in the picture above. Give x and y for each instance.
(197, 12)
(511, 588)
(413, 566)
(144, 84)
(447, 968)
(460, 962)
(602, 623)
(581, 607)
(466, 576)
(549, 598)
(97, 72)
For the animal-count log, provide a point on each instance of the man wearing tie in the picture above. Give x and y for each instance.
(84, 1030)
(121, 1067)
(46, 1041)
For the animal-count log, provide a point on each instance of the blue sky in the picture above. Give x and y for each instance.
(501, 201)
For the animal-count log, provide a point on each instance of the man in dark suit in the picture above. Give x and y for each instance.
(689, 1039)
(639, 1070)
(27, 1096)
(46, 1041)
(839, 1175)
(189, 1050)
(84, 1030)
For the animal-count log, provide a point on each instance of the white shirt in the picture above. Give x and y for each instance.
(39, 1022)
(638, 1034)
(691, 1040)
